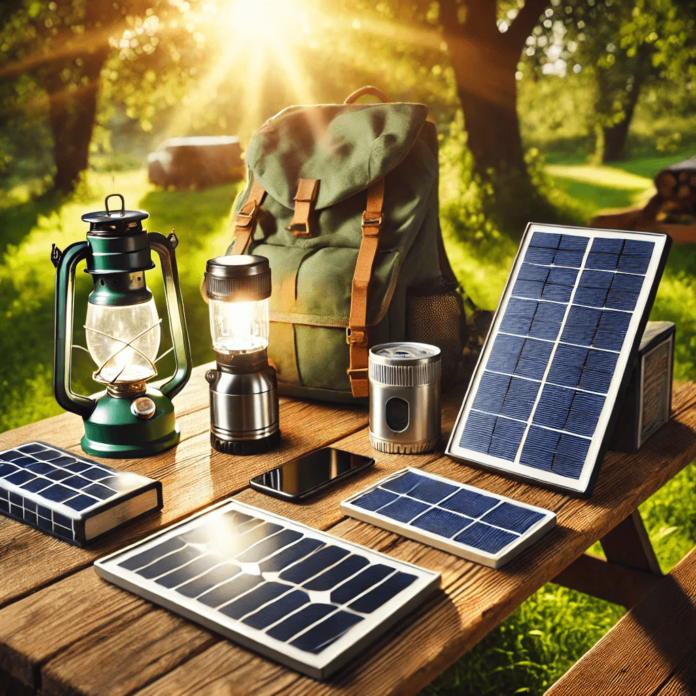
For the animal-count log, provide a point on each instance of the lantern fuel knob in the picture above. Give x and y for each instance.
(143, 408)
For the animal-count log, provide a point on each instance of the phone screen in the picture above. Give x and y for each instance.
(310, 473)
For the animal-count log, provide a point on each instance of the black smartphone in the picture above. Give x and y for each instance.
(315, 472)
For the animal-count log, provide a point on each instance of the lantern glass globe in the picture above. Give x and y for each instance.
(239, 327)
(123, 341)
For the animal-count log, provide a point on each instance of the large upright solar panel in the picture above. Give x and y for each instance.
(304, 598)
(541, 402)
(464, 520)
(68, 496)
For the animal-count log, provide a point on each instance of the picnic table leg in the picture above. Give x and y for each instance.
(629, 572)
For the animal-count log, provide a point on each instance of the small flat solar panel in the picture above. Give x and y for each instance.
(304, 598)
(471, 523)
(68, 496)
(541, 403)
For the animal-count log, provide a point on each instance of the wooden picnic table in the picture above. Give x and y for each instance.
(65, 630)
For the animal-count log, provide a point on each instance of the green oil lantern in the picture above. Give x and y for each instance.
(129, 418)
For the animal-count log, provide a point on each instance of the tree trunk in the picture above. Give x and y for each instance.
(485, 62)
(615, 136)
(71, 116)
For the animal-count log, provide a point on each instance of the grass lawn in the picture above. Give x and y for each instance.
(550, 631)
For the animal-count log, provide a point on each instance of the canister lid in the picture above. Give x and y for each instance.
(115, 221)
(405, 364)
(239, 278)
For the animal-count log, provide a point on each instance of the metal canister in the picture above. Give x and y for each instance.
(404, 397)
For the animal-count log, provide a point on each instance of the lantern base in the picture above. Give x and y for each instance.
(246, 447)
(114, 431)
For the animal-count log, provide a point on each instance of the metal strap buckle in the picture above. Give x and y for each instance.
(299, 229)
(371, 223)
(356, 337)
(248, 217)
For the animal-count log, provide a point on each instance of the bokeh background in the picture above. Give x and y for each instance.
(548, 111)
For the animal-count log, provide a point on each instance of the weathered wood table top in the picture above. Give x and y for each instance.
(65, 630)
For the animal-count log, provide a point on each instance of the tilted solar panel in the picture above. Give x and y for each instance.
(71, 497)
(477, 525)
(304, 598)
(542, 398)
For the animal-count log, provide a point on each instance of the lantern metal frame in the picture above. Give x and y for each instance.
(128, 419)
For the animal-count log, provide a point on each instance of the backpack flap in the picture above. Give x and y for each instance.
(332, 267)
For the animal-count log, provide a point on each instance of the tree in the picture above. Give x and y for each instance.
(625, 45)
(63, 47)
(484, 59)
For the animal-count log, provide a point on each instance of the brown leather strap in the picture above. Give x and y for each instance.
(372, 91)
(246, 218)
(357, 330)
(306, 196)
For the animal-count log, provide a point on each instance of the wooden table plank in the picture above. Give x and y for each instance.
(193, 476)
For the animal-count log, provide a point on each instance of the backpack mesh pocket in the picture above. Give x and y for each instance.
(435, 315)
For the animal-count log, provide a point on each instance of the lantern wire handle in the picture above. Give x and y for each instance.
(166, 352)
(126, 344)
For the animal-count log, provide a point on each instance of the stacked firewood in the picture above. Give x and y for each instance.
(676, 186)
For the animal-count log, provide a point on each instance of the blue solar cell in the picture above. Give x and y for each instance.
(443, 523)
(61, 519)
(634, 247)
(562, 276)
(45, 523)
(29, 505)
(204, 583)
(568, 258)
(404, 509)
(169, 563)
(478, 432)
(432, 491)
(534, 358)
(601, 361)
(81, 502)
(95, 474)
(518, 316)
(556, 293)
(609, 340)
(470, 503)
(633, 264)
(402, 484)
(16, 511)
(374, 500)
(572, 243)
(540, 448)
(584, 413)
(277, 610)
(16, 498)
(40, 468)
(339, 573)
(24, 462)
(300, 620)
(76, 482)
(570, 456)
(513, 518)
(72, 464)
(491, 392)
(37, 485)
(255, 533)
(33, 448)
(381, 594)
(64, 532)
(540, 256)
(596, 279)
(19, 477)
(59, 475)
(11, 455)
(267, 546)
(4, 506)
(553, 407)
(550, 312)
(536, 273)
(485, 538)
(362, 582)
(595, 381)
(254, 600)
(315, 564)
(507, 436)
(6, 469)
(57, 493)
(591, 297)
(99, 491)
(229, 590)
(528, 288)
(520, 398)
(186, 573)
(327, 632)
(601, 261)
(146, 557)
(30, 517)
(608, 245)
(622, 300)
(545, 239)
(505, 353)
(627, 283)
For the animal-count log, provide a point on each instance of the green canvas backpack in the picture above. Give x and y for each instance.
(343, 202)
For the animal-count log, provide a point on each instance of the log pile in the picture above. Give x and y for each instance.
(196, 162)
(676, 185)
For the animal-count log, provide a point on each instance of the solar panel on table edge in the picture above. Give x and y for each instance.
(81, 518)
(623, 386)
(490, 560)
(427, 581)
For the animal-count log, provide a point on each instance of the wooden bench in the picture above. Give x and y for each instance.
(652, 650)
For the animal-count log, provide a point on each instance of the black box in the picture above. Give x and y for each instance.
(648, 402)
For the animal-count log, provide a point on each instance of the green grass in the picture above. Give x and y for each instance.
(551, 630)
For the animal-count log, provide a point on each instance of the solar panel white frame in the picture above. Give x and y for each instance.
(470, 553)
(318, 666)
(590, 469)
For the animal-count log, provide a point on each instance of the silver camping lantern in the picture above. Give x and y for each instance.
(243, 391)
(404, 397)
